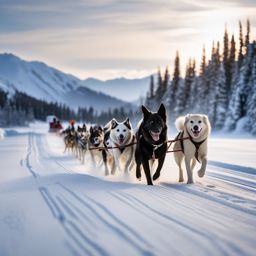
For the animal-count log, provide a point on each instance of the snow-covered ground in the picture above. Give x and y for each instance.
(50, 204)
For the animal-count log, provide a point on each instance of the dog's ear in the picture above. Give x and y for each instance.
(187, 117)
(113, 123)
(207, 122)
(205, 118)
(100, 128)
(127, 123)
(145, 112)
(91, 129)
(162, 112)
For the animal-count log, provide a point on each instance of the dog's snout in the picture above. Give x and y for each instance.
(196, 128)
(121, 136)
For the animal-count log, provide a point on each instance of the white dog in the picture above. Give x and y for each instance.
(197, 128)
(118, 135)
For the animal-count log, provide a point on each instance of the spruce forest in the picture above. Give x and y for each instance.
(224, 89)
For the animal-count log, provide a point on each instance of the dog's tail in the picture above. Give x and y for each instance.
(179, 123)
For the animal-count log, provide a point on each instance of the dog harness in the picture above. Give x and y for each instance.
(155, 147)
(195, 143)
(122, 148)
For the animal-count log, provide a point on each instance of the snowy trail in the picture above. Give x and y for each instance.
(53, 205)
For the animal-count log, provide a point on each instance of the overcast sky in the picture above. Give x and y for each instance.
(113, 38)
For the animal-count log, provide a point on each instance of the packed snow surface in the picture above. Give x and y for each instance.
(51, 204)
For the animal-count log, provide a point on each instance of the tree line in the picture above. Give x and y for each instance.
(224, 89)
(20, 109)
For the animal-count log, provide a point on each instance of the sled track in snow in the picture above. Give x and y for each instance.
(86, 220)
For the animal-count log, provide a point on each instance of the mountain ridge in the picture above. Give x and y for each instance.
(47, 83)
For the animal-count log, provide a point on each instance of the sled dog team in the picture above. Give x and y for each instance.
(117, 143)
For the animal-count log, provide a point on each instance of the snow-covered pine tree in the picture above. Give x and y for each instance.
(202, 86)
(238, 105)
(230, 120)
(233, 64)
(150, 98)
(180, 99)
(213, 69)
(159, 89)
(165, 82)
(175, 82)
(252, 98)
(152, 87)
(246, 86)
(226, 61)
(221, 99)
(190, 89)
(247, 36)
(241, 46)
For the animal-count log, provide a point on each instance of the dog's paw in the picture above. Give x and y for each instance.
(181, 179)
(138, 176)
(190, 182)
(156, 176)
(201, 173)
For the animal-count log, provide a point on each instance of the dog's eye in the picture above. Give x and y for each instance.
(124, 130)
(117, 130)
(191, 122)
(199, 121)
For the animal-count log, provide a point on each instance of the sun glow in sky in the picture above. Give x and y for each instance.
(114, 38)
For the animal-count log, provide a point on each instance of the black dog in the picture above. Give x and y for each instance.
(151, 142)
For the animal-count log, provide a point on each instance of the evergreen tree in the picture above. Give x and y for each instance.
(233, 65)
(226, 61)
(159, 90)
(202, 86)
(221, 99)
(203, 63)
(190, 90)
(180, 99)
(150, 98)
(247, 37)
(213, 74)
(165, 82)
(252, 98)
(175, 80)
(152, 87)
(241, 46)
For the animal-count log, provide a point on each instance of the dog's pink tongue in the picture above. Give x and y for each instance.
(155, 136)
(196, 133)
(121, 141)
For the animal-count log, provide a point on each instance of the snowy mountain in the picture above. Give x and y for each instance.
(122, 88)
(49, 84)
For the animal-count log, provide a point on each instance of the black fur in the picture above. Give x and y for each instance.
(127, 123)
(96, 132)
(146, 147)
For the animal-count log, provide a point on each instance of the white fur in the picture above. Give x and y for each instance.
(187, 124)
(179, 123)
(113, 141)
